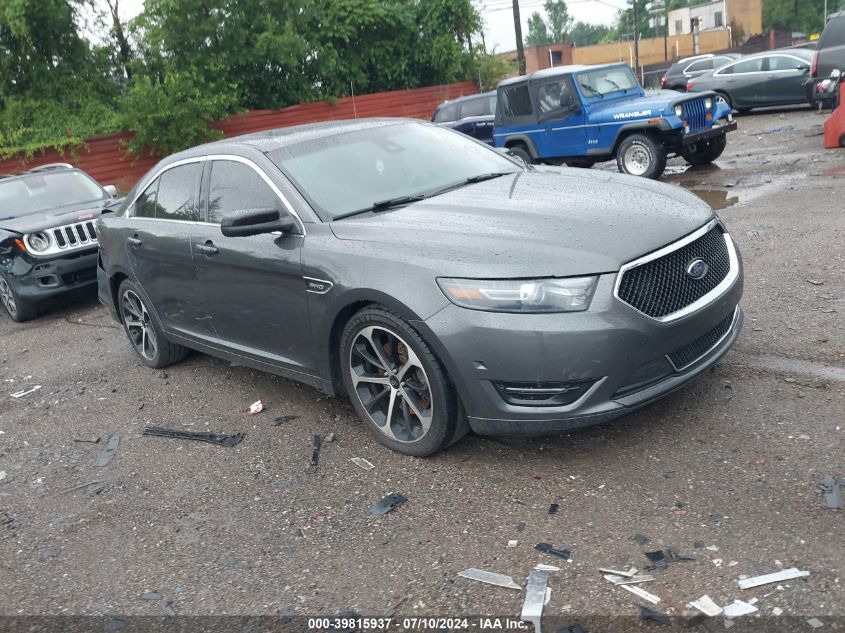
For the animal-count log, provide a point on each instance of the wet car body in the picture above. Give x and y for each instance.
(283, 302)
(69, 262)
(473, 115)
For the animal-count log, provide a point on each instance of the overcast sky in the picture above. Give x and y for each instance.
(497, 15)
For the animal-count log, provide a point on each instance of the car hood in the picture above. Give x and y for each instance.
(549, 222)
(653, 104)
(51, 218)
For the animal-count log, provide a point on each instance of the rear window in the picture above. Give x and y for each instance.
(473, 107)
(514, 101)
(834, 33)
(704, 64)
(446, 113)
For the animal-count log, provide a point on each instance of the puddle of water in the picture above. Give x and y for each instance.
(715, 198)
(806, 367)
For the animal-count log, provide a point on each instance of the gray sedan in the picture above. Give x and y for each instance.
(436, 282)
(775, 78)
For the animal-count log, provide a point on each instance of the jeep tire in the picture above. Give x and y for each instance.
(641, 155)
(520, 151)
(706, 151)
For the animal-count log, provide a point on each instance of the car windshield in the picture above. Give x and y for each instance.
(384, 166)
(606, 80)
(32, 193)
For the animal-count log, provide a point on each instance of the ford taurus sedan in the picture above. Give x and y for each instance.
(436, 282)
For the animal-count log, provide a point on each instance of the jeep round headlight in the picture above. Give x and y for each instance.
(679, 110)
(708, 103)
(566, 294)
(39, 242)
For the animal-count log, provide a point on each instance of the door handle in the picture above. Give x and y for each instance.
(206, 249)
(134, 242)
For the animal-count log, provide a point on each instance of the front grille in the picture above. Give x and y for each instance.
(75, 235)
(696, 114)
(686, 356)
(661, 287)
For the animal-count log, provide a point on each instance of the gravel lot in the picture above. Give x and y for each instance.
(730, 462)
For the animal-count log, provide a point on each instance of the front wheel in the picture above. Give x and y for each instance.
(706, 151)
(520, 151)
(18, 309)
(397, 385)
(641, 155)
(143, 329)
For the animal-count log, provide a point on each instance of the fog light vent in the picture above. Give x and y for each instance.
(543, 394)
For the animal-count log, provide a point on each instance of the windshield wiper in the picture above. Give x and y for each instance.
(593, 90)
(490, 176)
(390, 203)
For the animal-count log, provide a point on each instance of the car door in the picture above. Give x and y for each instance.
(562, 117)
(744, 81)
(476, 119)
(159, 247)
(252, 286)
(786, 76)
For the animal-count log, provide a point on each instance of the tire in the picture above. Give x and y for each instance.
(641, 155)
(727, 99)
(378, 352)
(143, 329)
(17, 309)
(582, 164)
(705, 152)
(520, 151)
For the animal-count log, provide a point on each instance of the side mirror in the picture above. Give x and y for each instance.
(803, 67)
(111, 190)
(255, 222)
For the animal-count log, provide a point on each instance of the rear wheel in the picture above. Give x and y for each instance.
(521, 151)
(18, 309)
(144, 330)
(641, 155)
(706, 151)
(397, 385)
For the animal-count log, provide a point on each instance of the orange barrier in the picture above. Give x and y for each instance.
(834, 127)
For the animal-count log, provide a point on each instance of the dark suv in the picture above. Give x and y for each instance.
(472, 115)
(830, 56)
(683, 70)
(48, 244)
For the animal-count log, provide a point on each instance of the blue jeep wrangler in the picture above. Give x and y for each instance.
(581, 115)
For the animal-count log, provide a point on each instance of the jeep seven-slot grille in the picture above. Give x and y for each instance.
(662, 286)
(696, 114)
(686, 356)
(75, 235)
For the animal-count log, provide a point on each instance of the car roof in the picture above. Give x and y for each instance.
(796, 52)
(557, 70)
(488, 93)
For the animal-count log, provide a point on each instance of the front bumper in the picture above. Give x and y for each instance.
(712, 132)
(37, 279)
(609, 342)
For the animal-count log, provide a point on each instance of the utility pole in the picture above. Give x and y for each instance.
(517, 27)
(636, 39)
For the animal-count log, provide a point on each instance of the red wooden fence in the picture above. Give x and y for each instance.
(103, 156)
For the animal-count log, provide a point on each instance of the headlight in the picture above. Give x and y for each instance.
(679, 110)
(38, 242)
(569, 294)
(708, 103)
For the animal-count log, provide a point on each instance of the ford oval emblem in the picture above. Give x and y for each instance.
(697, 269)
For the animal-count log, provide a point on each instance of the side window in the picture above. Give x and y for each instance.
(177, 193)
(472, 107)
(515, 101)
(704, 64)
(236, 187)
(448, 112)
(145, 205)
(784, 62)
(491, 105)
(747, 66)
(554, 96)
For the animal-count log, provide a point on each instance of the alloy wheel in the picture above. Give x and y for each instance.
(8, 298)
(391, 384)
(637, 160)
(139, 325)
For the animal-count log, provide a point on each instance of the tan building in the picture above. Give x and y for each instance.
(540, 57)
(743, 16)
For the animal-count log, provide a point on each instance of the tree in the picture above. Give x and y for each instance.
(585, 34)
(795, 15)
(538, 32)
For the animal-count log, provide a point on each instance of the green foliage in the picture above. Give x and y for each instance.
(173, 114)
(538, 32)
(585, 34)
(554, 29)
(795, 15)
(490, 70)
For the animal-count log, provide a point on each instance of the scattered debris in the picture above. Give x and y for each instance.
(785, 574)
(93, 440)
(3, 475)
(221, 439)
(641, 593)
(712, 548)
(831, 488)
(390, 502)
(627, 574)
(513, 543)
(85, 485)
(738, 608)
(553, 508)
(151, 595)
(115, 624)
(535, 596)
(256, 407)
(717, 562)
(169, 610)
(706, 605)
(548, 548)
(777, 611)
(25, 391)
(815, 282)
(658, 560)
(631, 580)
(48, 553)
(676, 557)
(360, 462)
(640, 539)
(284, 418)
(489, 577)
(542, 567)
(108, 452)
(815, 623)
(315, 450)
(654, 616)
(330, 437)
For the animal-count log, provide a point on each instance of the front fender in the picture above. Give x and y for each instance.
(510, 139)
(638, 126)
